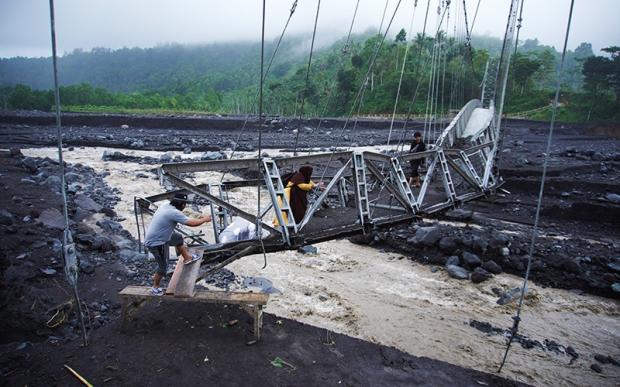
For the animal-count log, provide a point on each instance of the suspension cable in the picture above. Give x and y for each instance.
(273, 55)
(69, 258)
(345, 50)
(475, 16)
(517, 317)
(305, 91)
(418, 77)
(402, 72)
(361, 90)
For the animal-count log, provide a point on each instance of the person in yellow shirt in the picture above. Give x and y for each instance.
(296, 192)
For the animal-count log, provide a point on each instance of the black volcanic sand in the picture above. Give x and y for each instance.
(180, 343)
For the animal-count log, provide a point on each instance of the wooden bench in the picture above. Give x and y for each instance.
(182, 287)
(133, 297)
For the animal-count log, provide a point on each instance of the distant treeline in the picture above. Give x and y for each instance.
(223, 78)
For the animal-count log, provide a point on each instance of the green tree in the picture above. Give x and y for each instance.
(401, 37)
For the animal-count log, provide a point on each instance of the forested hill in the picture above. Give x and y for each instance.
(168, 68)
(223, 78)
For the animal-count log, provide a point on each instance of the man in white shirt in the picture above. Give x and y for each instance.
(160, 235)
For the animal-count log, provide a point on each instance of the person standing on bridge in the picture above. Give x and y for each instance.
(416, 146)
(160, 235)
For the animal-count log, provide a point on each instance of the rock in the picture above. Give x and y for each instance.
(480, 275)
(478, 244)
(213, 155)
(615, 266)
(459, 214)
(86, 203)
(509, 296)
(499, 240)
(492, 267)
(85, 239)
(166, 157)
(48, 271)
(103, 244)
(52, 218)
(606, 359)
(14, 152)
(504, 251)
(571, 266)
(471, 260)
(457, 272)
(137, 144)
(30, 164)
(110, 225)
(53, 182)
(596, 368)
(516, 264)
(124, 126)
(187, 150)
(612, 197)
(453, 260)
(426, 236)
(114, 156)
(17, 199)
(448, 245)
(309, 249)
(616, 287)
(6, 218)
(87, 267)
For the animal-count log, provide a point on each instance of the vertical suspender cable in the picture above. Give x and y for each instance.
(305, 91)
(259, 227)
(517, 317)
(70, 262)
(330, 95)
(519, 20)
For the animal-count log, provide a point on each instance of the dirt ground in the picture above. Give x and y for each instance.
(377, 294)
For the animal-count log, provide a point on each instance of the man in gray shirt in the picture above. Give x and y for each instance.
(160, 235)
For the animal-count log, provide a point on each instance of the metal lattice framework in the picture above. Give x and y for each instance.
(365, 190)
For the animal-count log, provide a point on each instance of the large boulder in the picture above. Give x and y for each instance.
(471, 260)
(457, 272)
(52, 218)
(30, 164)
(86, 203)
(448, 245)
(426, 236)
(207, 156)
(103, 243)
(614, 198)
(6, 218)
(499, 240)
(478, 244)
(480, 275)
(453, 260)
(492, 267)
(166, 157)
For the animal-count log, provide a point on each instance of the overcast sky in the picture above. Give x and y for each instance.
(24, 24)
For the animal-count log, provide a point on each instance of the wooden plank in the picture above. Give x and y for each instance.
(207, 296)
(175, 277)
(189, 274)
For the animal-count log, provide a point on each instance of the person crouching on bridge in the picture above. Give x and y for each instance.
(416, 146)
(296, 191)
(160, 235)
